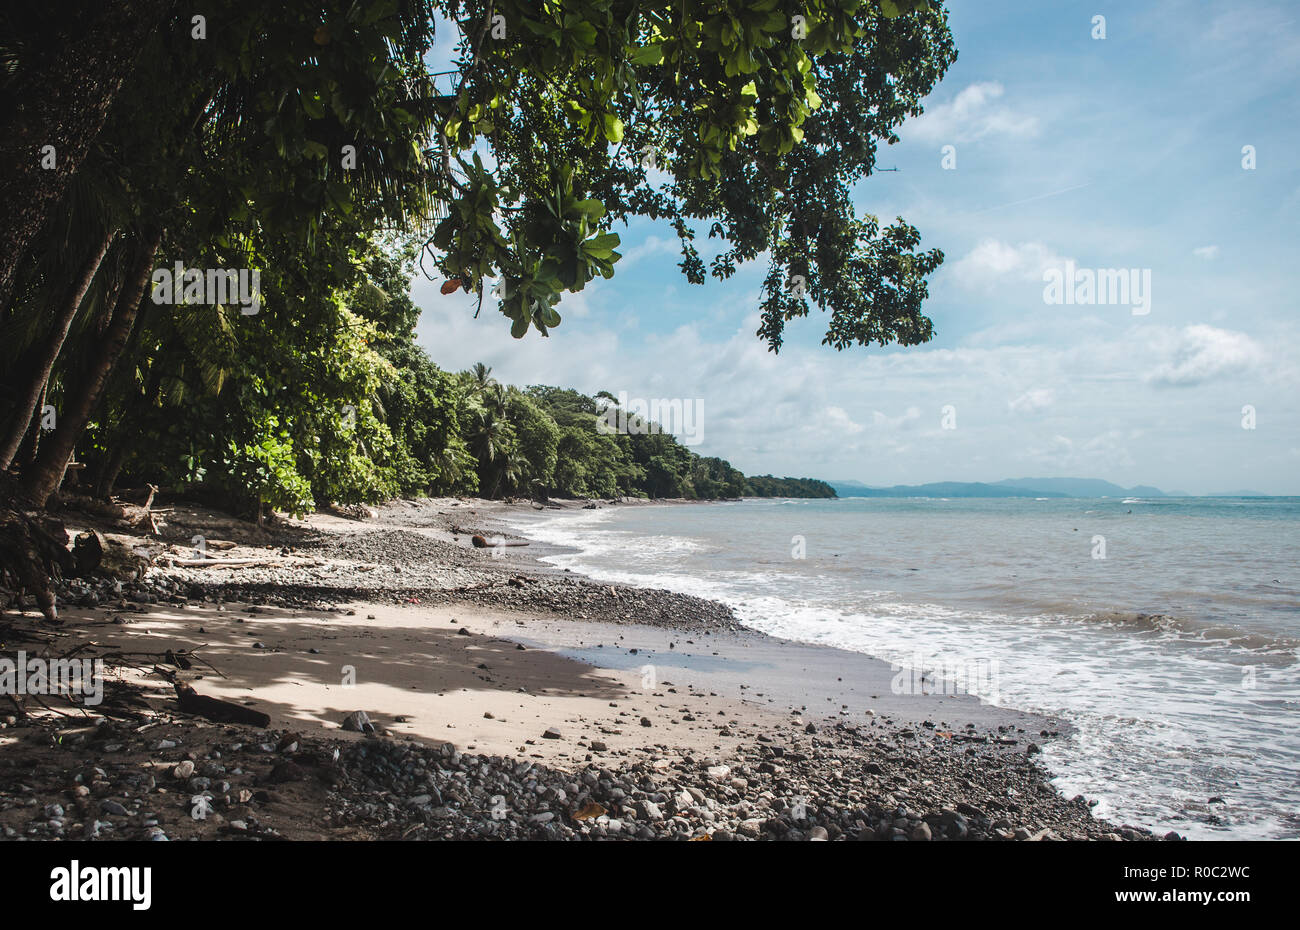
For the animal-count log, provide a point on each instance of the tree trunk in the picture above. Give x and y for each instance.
(42, 364)
(42, 480)
(109, 470)
(32, 441)
(120, 441)
(70, 66)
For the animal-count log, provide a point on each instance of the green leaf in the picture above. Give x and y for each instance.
(613, 128)
(647, 55)
(601, 246)
(312, 106)
(593, 209)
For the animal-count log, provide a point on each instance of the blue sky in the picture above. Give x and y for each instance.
(1123, 152)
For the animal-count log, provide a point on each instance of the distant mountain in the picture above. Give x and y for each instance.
(1081, 487)
(1013, 487)
(1239, 494)
(936, 489)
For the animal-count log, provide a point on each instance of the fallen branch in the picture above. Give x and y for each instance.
(55, 710)
(220, 563)
(181, 658)
(218, 710)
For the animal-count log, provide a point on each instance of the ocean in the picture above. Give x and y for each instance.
(1166, 631)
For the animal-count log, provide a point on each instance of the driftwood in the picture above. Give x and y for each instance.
(181, 658)
(220, 563)
(481, 543)
(88, 551)
(32, 548)
(215, 709)
(145, 521)
(94, 553)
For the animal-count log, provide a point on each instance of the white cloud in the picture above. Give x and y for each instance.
(993, 260)
(1199, 353)
(875, 415)
(972, 114)
(1102, 454)
(1206, 252)
(1032, 401)
(652, 245)
(884, 421)
(841, 422)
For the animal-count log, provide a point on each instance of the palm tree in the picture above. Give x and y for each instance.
(490, 437)
(482, 377)
(494, 400)
(510, 469)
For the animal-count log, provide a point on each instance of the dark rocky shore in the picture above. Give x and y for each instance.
(799, 782)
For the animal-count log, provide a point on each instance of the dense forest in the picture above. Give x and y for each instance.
(209, 215)
(366, 415)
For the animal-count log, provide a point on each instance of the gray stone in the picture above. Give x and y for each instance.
(358, 722)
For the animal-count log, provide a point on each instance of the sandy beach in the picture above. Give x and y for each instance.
(584, 710)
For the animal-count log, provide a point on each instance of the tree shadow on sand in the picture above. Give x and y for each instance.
(417, 659)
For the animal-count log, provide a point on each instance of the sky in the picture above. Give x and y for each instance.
(1071, 153)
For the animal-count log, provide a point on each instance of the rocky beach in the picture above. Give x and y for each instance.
(423, 676)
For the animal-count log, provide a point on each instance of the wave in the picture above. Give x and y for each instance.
(1195, 629)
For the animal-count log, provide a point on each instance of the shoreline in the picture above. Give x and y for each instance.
(515, 663)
